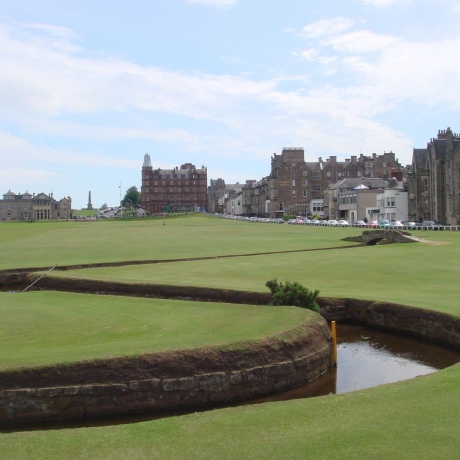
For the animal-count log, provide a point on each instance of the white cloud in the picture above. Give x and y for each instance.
(362, 41)
(326, 27)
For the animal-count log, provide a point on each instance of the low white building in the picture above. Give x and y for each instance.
(392, 203)
(234, 206)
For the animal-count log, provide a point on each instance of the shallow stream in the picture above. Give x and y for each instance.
(366, 358)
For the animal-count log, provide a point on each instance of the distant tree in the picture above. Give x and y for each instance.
(292, 293)
(132, 197)
(104, 206)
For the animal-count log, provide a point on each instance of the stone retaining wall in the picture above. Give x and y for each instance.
(283, 364)
(421, 323)
(216, 376)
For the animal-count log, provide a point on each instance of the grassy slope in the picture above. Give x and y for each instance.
(416, 419)
(42, 328)
(413, 274)
(66, 243)
(413, 419)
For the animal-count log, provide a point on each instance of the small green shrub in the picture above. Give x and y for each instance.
(292, 293)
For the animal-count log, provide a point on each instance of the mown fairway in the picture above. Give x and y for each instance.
(66, 243)
(413, 274)
(413, 419)
(47, 328)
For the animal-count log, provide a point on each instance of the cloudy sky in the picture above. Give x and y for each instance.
(88, 87)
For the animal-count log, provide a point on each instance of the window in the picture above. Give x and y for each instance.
(293, 193)
(304, 173)
(305, 194)
(293, 182)
(318, 207)
(304, 183)
(425, 184)
(391, 202)
(316, 188)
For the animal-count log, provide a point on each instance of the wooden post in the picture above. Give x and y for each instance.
(334, 344)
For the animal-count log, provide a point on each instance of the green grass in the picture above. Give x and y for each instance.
(416, 419)
(413, 274)
(47, 328)
(413, 419)
(85, 212)
(44, 244)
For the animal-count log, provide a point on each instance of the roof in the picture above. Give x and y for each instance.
(351, 183)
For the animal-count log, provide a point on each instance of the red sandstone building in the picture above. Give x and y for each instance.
(181, 189)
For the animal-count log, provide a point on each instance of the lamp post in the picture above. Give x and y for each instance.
(121, 203)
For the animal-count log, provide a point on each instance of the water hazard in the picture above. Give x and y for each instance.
(366, 358)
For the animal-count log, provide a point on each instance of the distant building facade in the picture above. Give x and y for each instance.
(433, 182)
(353, 198)
(26, 206)
(181, 189)
(297, 187)
(220, 193)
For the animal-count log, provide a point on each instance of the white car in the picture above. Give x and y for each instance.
(342, 223)
(332, 223)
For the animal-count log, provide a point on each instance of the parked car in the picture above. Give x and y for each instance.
(332, 223)
(372, 224)
(314, 222)
(342, 223)
(359, 223)
(396, 224)
(408, 223)
(431, 225)
(383, 223)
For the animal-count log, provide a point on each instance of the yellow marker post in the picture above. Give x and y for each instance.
(334, 344)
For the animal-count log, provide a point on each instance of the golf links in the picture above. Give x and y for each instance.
(193, 258)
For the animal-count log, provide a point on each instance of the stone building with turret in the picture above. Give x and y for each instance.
(181, 189)
(433, 182)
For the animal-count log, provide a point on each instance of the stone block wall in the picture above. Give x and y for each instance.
(273, 366)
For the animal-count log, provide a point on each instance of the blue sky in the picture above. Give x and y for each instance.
(87, 88)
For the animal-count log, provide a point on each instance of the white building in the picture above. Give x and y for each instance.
(393, 203)
(235, 205)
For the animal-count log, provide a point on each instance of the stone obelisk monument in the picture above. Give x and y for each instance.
(90, 206)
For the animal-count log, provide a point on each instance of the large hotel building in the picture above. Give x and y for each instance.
(181, 189)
